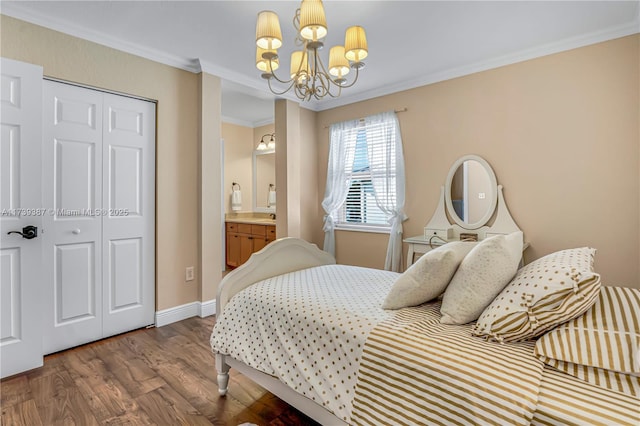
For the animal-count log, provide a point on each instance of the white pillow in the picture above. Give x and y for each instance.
(483, 273)
(428, 277)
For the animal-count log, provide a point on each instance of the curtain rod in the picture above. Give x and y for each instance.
(405, 109)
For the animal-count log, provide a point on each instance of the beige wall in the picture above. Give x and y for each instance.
(210, 161)
(309, 165)
(238, 152)
(562, 134)
(177, 92)
(296, 171)
(239, 144)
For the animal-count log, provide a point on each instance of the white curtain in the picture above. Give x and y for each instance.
(386, 164)
(341, 154)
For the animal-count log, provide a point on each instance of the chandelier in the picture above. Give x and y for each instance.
(309, 77)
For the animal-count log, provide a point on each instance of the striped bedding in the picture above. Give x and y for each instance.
(566, 400)
(602, 346)
(415, 370)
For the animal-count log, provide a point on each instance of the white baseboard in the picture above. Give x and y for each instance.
(207, 308)
(188, 310)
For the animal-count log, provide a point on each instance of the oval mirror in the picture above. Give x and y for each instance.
(471, 192)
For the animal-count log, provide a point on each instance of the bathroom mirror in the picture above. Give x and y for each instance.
(264, 180)
(471, 192)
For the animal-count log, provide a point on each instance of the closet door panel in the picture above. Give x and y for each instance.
(74, 178)
(126, 274)
(72, 187)
(129, 225)
(74, 283)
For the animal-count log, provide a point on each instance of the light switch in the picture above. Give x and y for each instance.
(481, 195)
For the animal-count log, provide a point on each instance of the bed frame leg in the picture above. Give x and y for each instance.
(223, 374)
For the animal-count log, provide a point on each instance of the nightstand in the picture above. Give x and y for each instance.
(420, 245)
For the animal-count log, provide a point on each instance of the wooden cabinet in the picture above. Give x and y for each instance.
(244, 239)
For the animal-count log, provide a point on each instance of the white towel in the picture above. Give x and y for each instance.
(236, 200)
(272, 199)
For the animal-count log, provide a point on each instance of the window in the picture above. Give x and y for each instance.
(365, 182)
(360, 207)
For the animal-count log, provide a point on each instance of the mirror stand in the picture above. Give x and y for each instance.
(470, 199)
(440, 227)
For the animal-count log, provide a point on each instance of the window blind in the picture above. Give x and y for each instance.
(372, 147)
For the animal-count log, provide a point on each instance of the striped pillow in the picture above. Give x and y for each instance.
(545, 293)
(603, 345)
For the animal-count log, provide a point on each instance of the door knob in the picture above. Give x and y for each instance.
(28, 232)
(76, 231)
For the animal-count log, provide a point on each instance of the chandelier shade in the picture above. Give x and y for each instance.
(268, 33)
(308, 76)
(263, 64)
(313, 23)
(338, 63)
(299, 64)
(355, 44)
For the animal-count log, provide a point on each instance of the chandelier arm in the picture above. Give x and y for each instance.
(324, 88)
(302, 92)
(346, 86)
(327, 83)
(328, 90)
(276, 92)
(290, 81)
(314, 72)
(324, 70)
(273, 74)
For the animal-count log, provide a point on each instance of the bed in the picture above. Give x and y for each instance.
(314, 334)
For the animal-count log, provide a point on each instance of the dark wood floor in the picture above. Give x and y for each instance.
(158, 376)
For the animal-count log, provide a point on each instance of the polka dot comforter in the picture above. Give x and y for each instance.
(308, 328)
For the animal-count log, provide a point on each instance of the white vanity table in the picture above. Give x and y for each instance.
(470, 198)
(420, 245)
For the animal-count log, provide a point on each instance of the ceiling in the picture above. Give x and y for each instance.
(411, 43)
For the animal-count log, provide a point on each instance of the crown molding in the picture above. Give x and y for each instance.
(630, 28)
(237, 121)
(264, 122)
(246, 123)
(196, 65)
(13, 10)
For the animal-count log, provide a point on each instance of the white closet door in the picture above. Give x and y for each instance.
(20, 193)
(72, 256)
(128, 228)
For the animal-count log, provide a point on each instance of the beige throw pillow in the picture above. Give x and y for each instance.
(428, 277)
(545, 293)
(483, 273)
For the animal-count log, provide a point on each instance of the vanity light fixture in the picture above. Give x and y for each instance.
(263, 146)
(309, 76)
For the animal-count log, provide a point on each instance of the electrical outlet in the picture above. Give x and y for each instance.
(190, 273)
